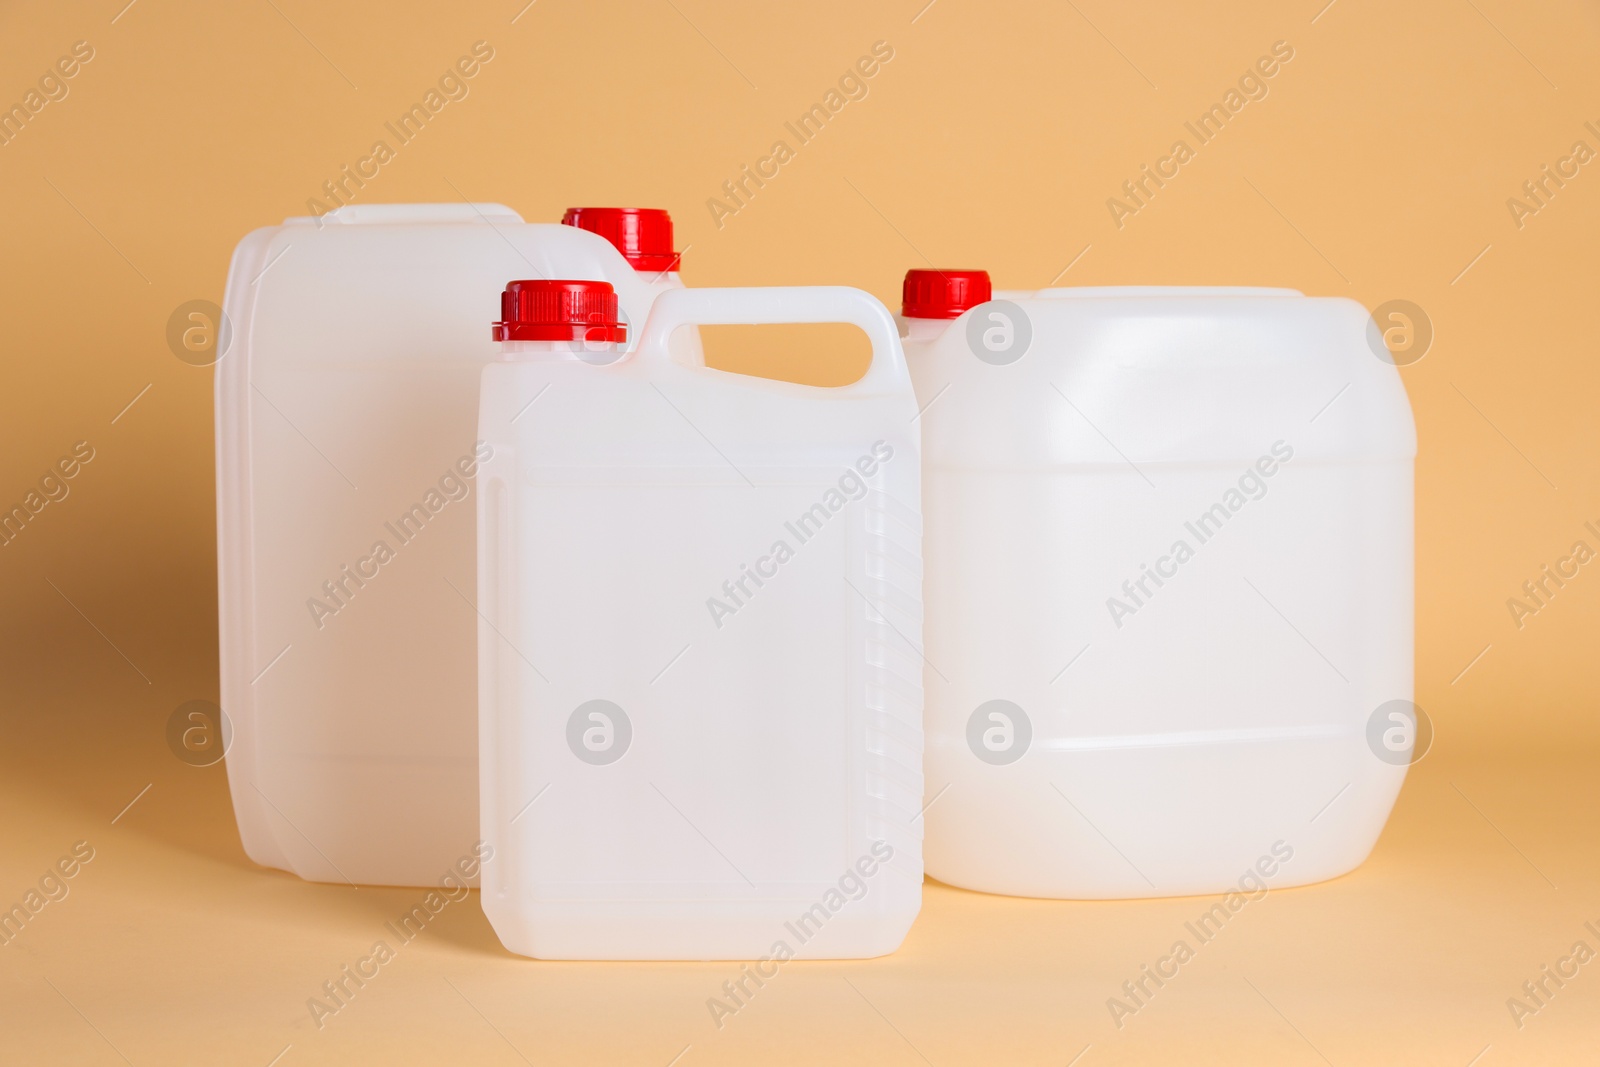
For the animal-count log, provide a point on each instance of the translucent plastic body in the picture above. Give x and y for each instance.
(700, 684)
(346, 425)
(1169, 553)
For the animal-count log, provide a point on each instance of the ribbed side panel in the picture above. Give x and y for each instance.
(892, 585)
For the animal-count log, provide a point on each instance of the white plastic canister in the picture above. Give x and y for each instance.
(1169, 595)
(700, 687)
(346, 410)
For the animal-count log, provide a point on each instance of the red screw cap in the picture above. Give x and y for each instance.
(943, 294)
(541, 310)
(642, 234)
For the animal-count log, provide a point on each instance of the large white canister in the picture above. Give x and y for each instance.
(1169, 592)
(701, 703)
(346, 412)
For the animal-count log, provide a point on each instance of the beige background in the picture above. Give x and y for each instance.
(1377, 167)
